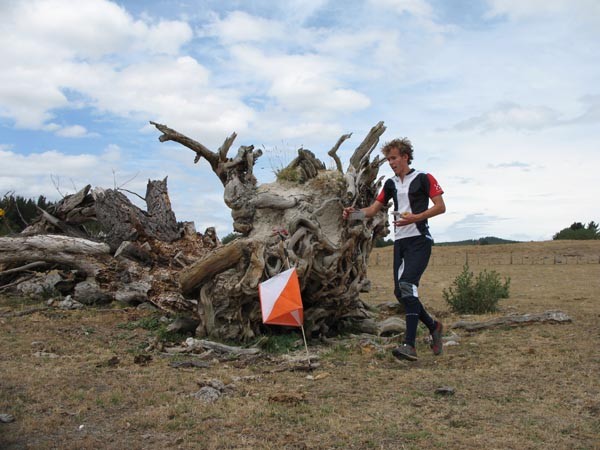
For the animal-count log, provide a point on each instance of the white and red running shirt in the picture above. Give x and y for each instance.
(410, 195)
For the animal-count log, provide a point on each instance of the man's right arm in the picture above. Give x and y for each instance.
(369, 211)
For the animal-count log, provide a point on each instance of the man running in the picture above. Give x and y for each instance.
(410, 190)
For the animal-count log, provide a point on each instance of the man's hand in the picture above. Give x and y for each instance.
(405, 218)
(346, 212)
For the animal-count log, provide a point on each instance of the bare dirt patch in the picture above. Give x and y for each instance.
(75, 380)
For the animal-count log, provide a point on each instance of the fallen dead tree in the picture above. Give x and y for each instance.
(98, 247)
(113, 214)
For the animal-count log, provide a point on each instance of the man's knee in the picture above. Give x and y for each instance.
(407, 295)
(407, 290)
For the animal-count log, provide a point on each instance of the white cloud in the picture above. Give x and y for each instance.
(52, 46)
(240, 26)
(112, 153)
(421, 10)
(310, 129)
(591, 112)
(27, 99)
(32, 174)
(586, 10)
(44, 163)
(512, 116)
(93, 28)
(417, 8)
(298, 11)
(74, 131)
(301, 83)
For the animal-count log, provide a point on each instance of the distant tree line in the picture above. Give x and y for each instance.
(488, 240)
(578, 230)
(17, 212)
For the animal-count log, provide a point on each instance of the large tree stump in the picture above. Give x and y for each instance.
(297, 221)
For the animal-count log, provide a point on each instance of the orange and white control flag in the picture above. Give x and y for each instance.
(280, 300)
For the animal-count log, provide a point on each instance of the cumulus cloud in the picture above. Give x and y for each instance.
(239, 26)
(591, 114)
(30, 175)
(70, 48)
(112, 153)
(35, 173)
(310, 129)
(417, 8)
(421, 10)
(308, 85)
(517, 9)
(74, 131)
(512, 116)
(301, 83)
(92, 29)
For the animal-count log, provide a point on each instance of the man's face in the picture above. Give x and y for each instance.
(398, 162)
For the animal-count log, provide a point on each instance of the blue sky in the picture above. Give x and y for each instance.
(500, 98)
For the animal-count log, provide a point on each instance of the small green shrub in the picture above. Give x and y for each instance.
(280, 343)
(476, 295)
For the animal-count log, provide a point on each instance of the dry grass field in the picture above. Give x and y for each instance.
(530, 387)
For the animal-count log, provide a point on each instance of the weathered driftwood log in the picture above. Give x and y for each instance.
(295, 221)
(391, 325)
(75, 252)
(514, 320)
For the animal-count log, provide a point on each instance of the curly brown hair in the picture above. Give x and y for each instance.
(403, 145)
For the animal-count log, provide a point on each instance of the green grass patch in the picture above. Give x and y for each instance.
(338, 352)
(156, 327)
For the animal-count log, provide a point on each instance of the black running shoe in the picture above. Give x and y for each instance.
(405, 351)
(436, 339)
